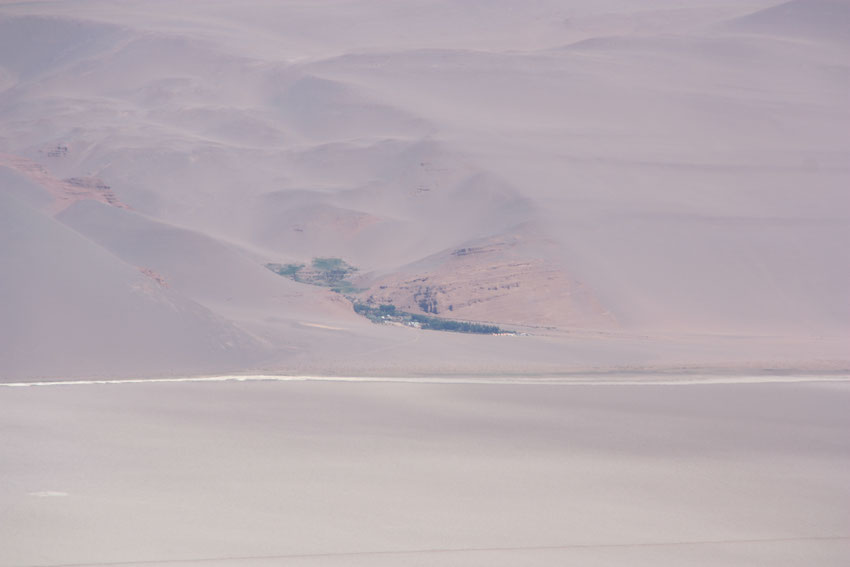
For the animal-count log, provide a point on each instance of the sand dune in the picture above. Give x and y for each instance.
(816, 19)
(70, 308)
(684, 168)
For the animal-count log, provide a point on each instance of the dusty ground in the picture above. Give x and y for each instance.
(331, 473)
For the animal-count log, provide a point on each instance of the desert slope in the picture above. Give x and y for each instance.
(629, 179)
(71, 309)
(814, 19)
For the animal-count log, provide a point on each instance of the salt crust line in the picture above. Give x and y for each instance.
(601, 381)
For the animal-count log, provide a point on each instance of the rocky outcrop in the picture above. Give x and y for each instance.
(92, 188)
(65, 192)
(155, 276)
(492, 282)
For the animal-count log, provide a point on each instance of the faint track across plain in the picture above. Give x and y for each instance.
(461, 550)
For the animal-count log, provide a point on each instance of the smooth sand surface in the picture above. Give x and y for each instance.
(336, 473)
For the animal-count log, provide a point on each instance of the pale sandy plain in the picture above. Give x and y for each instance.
(655, 192)
(391, 473)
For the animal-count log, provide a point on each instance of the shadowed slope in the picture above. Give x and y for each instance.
(812, 19)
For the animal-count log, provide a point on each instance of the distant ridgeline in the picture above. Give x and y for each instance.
(333, 273)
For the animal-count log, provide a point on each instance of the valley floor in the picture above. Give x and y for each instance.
(228, 471)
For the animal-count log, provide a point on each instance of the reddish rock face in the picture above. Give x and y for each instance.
(494, 282)
(65, 192)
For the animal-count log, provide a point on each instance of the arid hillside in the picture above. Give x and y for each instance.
(623, 185)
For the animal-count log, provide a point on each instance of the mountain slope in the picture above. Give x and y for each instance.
(665, 180)
(69, 308)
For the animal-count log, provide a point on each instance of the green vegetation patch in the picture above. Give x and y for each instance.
(325, 272)
(333, 273)
(388, 313)
(438, 324)
(287, 270)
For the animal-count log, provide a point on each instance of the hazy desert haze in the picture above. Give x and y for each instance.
(636, 185)
(652, 193)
